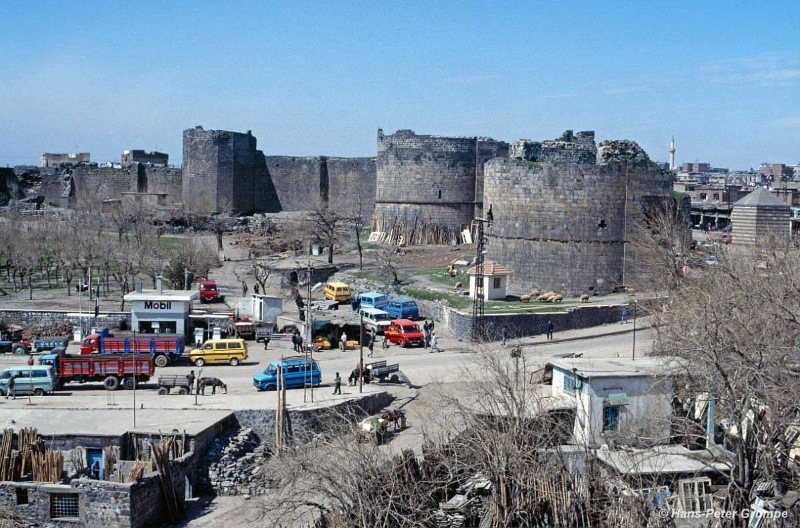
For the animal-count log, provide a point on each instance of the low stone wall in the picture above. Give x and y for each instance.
(527, 325)
(99, 503)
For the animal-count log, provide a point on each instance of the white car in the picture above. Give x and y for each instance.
(711, 260)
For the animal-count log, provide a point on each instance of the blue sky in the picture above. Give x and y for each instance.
(320, 78)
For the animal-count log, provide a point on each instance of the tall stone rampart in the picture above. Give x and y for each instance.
(569, 148)
(91, 185)
(430, 179)
(564, 228)
(351, 186)
(222, 171)
(297, 181)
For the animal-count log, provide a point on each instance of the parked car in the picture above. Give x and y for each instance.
(402, 308)
(373, 300)
(375, 319)
(404, 333)
(337, 291)
(297, 372)
(231, 351)
(38, 380)
(711, 260)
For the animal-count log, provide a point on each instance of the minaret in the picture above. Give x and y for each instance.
(672, 154)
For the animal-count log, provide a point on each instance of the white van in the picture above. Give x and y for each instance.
(38, 380)
(374, 319)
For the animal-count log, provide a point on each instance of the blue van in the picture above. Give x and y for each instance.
(402, 308)
(372, 300)
(297, 371)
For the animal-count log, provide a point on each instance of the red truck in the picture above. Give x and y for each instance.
(164, 350)
(209, 292)
(112, 370)
(405, 333)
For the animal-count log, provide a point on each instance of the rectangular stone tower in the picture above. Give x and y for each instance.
(221, 170)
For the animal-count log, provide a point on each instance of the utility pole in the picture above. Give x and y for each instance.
(308, 374)
(361, 354)
(478, 314)
(633, 351)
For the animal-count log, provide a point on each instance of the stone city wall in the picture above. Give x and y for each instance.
(297, 181)
(562, 228)
(351, 186)
(429, 174)
(570, 148)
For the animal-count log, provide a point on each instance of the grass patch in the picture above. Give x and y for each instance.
(455, 301)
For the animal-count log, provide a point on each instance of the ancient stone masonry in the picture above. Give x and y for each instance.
(564, 228)
(430, 180)
(222, 171)
(569, 148)
(236, 466)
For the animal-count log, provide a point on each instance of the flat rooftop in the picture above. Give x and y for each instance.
(165, 295)
(615, 367)
(661, 459)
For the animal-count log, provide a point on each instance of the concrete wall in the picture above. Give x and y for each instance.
(563, 228)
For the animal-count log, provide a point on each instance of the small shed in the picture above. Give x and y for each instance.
(495, 280)
(760, 216)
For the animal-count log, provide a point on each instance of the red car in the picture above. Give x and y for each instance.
(404, 333)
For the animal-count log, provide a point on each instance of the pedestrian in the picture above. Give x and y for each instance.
(504, 335)
(244, 289)
(430, 326)
(434, 344)
(370, 343)
(299, 342)
(267, 337)
(624, 317)
(256, 289)
(337, 387)
(190, 377)
(11, 392)
(343, 341)
(550, 328)
(426, 332)
(294, 342)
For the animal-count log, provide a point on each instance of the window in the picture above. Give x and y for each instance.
(496, 283)
(22, 496)
(610, 418)
(569, 382)
(64, 505)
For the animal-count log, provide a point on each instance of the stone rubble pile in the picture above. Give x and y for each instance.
(236, 467)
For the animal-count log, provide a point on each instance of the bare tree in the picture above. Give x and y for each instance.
(356, 224)
(736, 325)
(324, 225)
(389, 259)
(660, 247)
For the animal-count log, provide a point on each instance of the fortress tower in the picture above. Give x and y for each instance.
(430, 182)
(564, 227)
(222, 171)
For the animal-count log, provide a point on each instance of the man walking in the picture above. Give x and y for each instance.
(434, 345)
(550, 328)
(624, 317)
(11, 392)
(190, 378)
(343, 341)
(504, 335)
(337, 387)
(370, 343)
